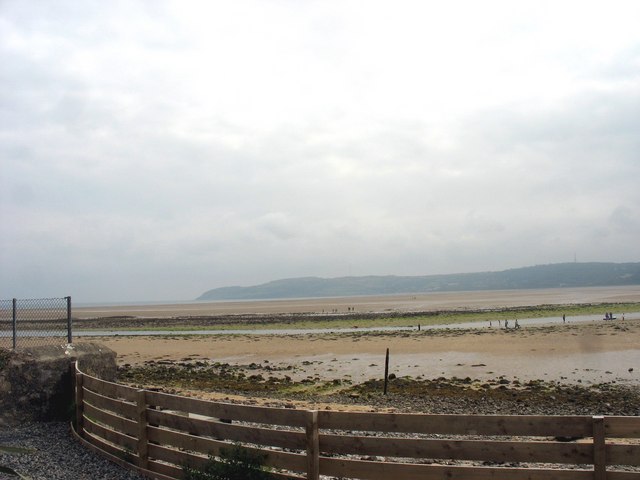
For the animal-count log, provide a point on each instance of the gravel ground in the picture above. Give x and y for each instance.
(57, 456)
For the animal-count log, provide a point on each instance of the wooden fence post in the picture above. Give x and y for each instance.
(79, 397)
(599, 449)
(386, 371)
(143, 441)
(313, 446)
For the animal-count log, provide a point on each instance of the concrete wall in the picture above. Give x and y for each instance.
(35, 383)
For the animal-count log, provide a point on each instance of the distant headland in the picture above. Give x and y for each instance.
(559, 275)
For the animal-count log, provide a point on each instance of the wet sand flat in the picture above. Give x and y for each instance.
(592, 352)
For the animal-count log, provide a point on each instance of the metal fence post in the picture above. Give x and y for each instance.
(42, 320)
(15, 329)
(69, 339)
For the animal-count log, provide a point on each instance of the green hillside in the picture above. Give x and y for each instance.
(541, 276)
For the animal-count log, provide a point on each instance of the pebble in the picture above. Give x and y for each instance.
(57, 455)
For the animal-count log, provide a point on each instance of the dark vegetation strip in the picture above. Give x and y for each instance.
(437, 395)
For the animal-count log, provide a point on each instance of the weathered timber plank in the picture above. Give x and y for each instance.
(165, 469)
(275, 459)
(622, 427)
(245, 413)
(109, 447)
(120, 407)
(118, 460)
(619, 475)
(494, 451)
(124, 441)
(221, 430)
(516, 425)
(177, 472)
(286, 476)
(109, 389)
(175, 457)
(366, 470)
(179, 440)
(111, 420)
(622, 454)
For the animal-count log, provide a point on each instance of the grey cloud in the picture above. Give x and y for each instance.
(625, 220)
(276, 224)
(622, 67)
(141, 172)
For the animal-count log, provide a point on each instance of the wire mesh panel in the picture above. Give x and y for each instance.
(33, 322)
(6, 323)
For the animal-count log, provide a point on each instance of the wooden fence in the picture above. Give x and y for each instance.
(157, 434)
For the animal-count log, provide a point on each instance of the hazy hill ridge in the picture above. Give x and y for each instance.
(541, 276)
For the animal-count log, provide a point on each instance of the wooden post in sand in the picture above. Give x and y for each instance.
(386, 371)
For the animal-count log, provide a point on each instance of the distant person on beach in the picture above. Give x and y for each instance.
(564, 318)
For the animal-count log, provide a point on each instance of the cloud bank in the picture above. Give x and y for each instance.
(154, 150)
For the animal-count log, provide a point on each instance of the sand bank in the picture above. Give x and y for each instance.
(571, 353)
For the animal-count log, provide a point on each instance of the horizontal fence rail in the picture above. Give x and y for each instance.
(34, 322)
(160, 433)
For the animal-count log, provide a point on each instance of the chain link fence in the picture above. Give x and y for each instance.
(33, 322)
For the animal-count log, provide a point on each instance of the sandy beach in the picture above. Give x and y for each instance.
(586, 353)
(581, 357)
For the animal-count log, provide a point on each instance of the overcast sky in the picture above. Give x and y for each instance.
(154, 150)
